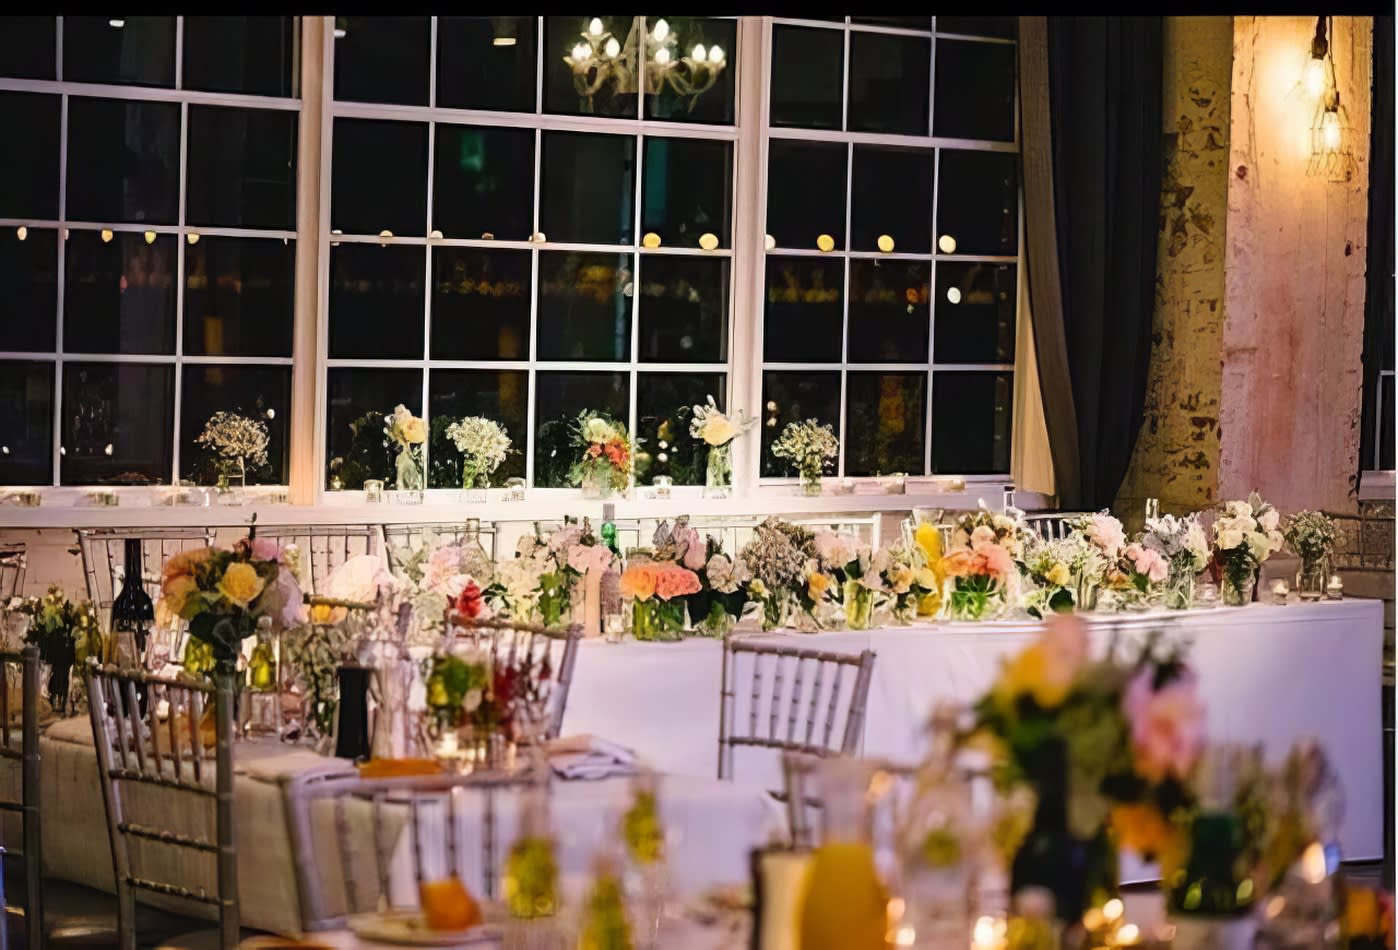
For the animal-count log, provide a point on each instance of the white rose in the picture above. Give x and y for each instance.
(1269, 520)
(471, 700)
(718, 430)
(1230, 538)
(1259, 545)
(598, 430)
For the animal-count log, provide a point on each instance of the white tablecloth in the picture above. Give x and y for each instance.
(1268, 674)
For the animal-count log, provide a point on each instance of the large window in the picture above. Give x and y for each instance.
(892, 241)
(529, 216)
(147, 239)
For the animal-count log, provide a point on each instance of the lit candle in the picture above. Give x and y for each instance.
(373, 490)
(1280, 590)
(1335, 589)
(988, 934)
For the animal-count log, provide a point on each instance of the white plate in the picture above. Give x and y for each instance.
(408, 929)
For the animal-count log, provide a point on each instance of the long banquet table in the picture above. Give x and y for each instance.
(1267, 673)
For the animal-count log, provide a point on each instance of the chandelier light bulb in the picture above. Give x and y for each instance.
(21, 232)
(116, 22)
(662, 30)
(946, 244)
(581, 52)
(662, 56)
(613, 48)
(700, 54)
(106, 235)
(1315, 77)
(594, 27)
(150, 237)
(716, 54)
(1330, 130)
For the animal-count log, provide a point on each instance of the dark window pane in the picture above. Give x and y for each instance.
(119, 294)
(694, 88)
(123, 160)
(134, 50)
(664, 405)
(382, 59)
(357, 402)
(1386, 419)
(684, 309)
(242, 168)
(28, 290)
(892, 199)
(584, 306)
(454, 394)
(588, 188)
(486, 62)
(257, 55)
(687, 191)
(806, 183)
(888, 311)
(807, 77)
(29, 186)
(975, 90)
(376, 302)
(483, 182)
(29, 47)
(26, 423)
(804, 315)
(586, 84)
(117, 423)
(975, 313)
(971, 423)
(906, 22)
(885, 423)
(480, 304)
(379, 179)
(1001, 26)
(239, 297)
(795, 397)
(262, 393)
(978, 203)
(888, 80)
(559, 399)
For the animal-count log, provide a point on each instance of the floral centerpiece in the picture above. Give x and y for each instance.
(408, 432)
(66, 632)
(1245, 535)
(657, 591)
(905, 577)
(718, 430)
(1183, 544)
(1104, 532)
(224, 593)
(432, 578)
(981, 564)
(605, 465)
(856, 581)
(1054, 569)
(545, 570)
(720, 599)
(807, 445)
(1137, 576)
(483, 444)
(238, 441)
(1312, 536)
(778, 555)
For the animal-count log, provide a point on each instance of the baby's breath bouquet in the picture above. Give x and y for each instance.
(237, 442)
(483, 444)
(808, 445)
(1312, 535)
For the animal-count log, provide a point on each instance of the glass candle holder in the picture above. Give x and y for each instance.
(1335, 590)
(1281, 590)
(373, 490)
(514, 489)
(26, 499)
(103, 499)
(613, 626)
(662, 484)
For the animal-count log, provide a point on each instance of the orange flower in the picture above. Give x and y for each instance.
(674, 581)
(638, 581)
(958, 563)
(1144, 830)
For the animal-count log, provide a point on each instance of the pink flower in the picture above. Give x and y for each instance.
(674, 581)
(982, 537)
(265, 549)
(582, 557)
(442, 566)
(694, 554)
(1167, 725)
(1105, 531)
(998, 562)
(1149, 562)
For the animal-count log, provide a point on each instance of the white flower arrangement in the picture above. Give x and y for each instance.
(1181, 541)
(1248, 529)
(1104, 530)
(716, 427)
(236, 438)
(483, 443)
(808, 445)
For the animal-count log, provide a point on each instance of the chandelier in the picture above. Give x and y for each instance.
(652, 56)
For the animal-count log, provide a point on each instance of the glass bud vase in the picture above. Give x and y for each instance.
(1179, 591)
(1237, 590)
(810, 482)
(1312, 578)
(408, 476)
(597, 482)
(474, 484)
(718, 474)
(776, 609)
(859, 606)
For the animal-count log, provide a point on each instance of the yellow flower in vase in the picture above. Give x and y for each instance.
(241, 584)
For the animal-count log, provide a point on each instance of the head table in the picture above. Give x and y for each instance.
(1268, 674)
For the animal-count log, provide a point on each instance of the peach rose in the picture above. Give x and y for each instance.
(675, 581)
(997, 560)
(958, 563)
(638, 582)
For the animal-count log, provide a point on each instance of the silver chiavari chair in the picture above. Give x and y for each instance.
(22, 745)
(798, 717)
(323, 547)
(13, 563)
(513, 639)
(104, 557)
(1055, 525)
(169, 806)
(361, 845)
(401, 540)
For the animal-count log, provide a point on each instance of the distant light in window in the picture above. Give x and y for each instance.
(581, 53)
(594, 27)
(538, 237)
(339, 33)
(386, 234)
(107, 450)
(116, 23)
(21, 232)
(715, 54)
(947, 244)
(662, 56)
(5, 449)
(271, 413)
(106, 235)
(825, 242)
(700, 54)
(886, 243)
(150, 237)
(662, 30)
(193, 237)
(613, 49)
(771, 405)
(651, 239)
(505, 40)
(769, 242)
(708, 241)
(436, 235)
(954, 294)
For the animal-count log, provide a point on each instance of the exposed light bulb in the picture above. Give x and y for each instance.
(106, 235)
(582, 53)
(1330, 130)
(825, 242)
(116, 23)
(662, 30)
(769, 242)
(662, 56)
(271, 413)
(21, 232)
(505, 40)
(1315, 77)
(594, 27)
(613, 48)
(150, 237)
(339, 33)
(700, 54)
(107, 450)
(946, 244)
(716, 54)
(708, 241)
(954, 294)
(886, 243)
(193, 237)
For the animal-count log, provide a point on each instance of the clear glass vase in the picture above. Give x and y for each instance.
(597, 482)
(474, 485)
(1312, 578)
(1237, 591)
(810, 484)
(718, 473)
(656, 619)
(408, 475)
(859, 606)
(776, 608)
(1179, 591)
(230, 489)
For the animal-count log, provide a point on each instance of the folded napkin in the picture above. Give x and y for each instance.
(589, 757)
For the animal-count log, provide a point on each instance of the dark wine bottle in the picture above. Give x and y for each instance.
(132, 610)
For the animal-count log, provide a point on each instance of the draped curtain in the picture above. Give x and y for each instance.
(1091, 144)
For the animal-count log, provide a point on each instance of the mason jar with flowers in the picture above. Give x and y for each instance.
(1245, 535)
(604, 468)
(408, 432)
(1185, 547)
(981, 565)
(1312, 536)
(720, 603)
(808, 446)
(718, 430)
(850, 564)
(484, 446)
(657, 591)
(777, 555)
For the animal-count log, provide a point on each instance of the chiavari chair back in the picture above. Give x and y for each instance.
(13, 563)
(403, 540)
(515, 640)
(797, 700)
(1055, 525)
(323, 547)
(104, 558)
(367, 845)
(164, 790)
(21, 680)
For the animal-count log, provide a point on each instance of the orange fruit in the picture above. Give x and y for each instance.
(447, 905)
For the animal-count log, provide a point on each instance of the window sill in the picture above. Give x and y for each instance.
(1376, 486)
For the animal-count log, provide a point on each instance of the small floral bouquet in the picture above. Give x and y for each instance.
(1245, 534)
(483, 444)
(65, 631)
(1312, 536)
(448, 574)
(657, 590)
(239, 441)
(224, 593)
(544, 571)
(408, 432)
(1054, 569)
(778, 557)
(1136, 576)
(905, 576)
(723, 591)
(605, 466)
(982, 563)
(808, 446)
(1185, 547)
(856, 580)
(1104, 531)
(457, 685)
(718, 429)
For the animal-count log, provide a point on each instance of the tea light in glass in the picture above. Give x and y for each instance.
(514, 489)
(103, 499)
(1206, 594)
(1280, 590)
(27, 499)
(662, 485)
(1335, 590)
(373, 490)
(613, 626)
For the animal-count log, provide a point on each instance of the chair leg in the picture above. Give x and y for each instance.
(126, 916)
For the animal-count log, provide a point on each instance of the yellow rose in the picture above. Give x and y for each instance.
(1038, 672)
(414, 430)
(241, 584)
(816, 585)
(177, 591)
(718, 430)
(1058, 575)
